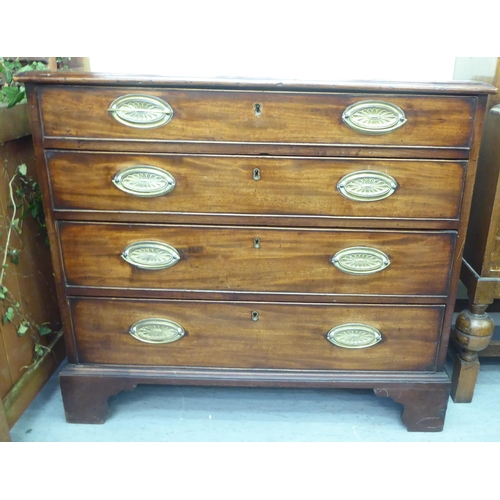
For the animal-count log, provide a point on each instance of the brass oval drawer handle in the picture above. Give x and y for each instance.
(374, 117)
(354, 336)
(367, 185)
(144, 180)
(156, 331)
(360, 260)
(151, 255)
(141, 111)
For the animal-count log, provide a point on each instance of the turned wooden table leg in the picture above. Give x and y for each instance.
(473, 332)
(424, 409)
(85, 399)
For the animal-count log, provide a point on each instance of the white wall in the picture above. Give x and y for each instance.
(313, 39)
(286, 64)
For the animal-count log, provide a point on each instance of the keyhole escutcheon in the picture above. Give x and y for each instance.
(256, 174)
(257, 109)
(256, 242)
(255, 316)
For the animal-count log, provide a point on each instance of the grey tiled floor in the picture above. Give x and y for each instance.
(204, 414)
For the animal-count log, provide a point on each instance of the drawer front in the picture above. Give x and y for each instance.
(256, 259)
(252, 185)
(257, 117)
(256, 335)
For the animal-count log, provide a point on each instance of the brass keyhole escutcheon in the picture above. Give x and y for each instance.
(256, 242)
(255, 316)
(256, 174)
(257, 109)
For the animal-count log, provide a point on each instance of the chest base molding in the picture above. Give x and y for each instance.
(86, 389)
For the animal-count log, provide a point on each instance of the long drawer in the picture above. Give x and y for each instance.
(178, 184)
(256, 259)
(256, 335)
(256, 117)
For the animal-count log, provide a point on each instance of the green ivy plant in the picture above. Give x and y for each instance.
(12, 92)
(25, 199)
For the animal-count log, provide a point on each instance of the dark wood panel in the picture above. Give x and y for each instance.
(257, 220)
(288, 260)
(88, 78)
(286, 186)
(238, 148)
(481, 248)
(227, 116)
(285, 336)
(89, 291)
(493, 349)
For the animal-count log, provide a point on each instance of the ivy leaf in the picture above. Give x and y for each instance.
(14, 95)
(18, 98)
(8, 316)
(12, 65)
(23, 328)
(23, 169)
(3, 292)
(43, 329)
(39, 349)
(8, 74)
(34, 210)
(10, 92)
(14, 256)
(15, 225)
(29, 67)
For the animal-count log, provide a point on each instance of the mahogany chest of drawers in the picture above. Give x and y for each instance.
(256, 233)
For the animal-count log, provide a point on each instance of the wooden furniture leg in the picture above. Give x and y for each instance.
(480, 270)
(424, 409)
(473, 332)
(86, 398)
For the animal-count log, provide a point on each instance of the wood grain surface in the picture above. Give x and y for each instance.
(482, 247)
(472, 87)
(288, 260)
(228, 116)
(287, 186)
(285, 336)
(255, 148)
(302, 147)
